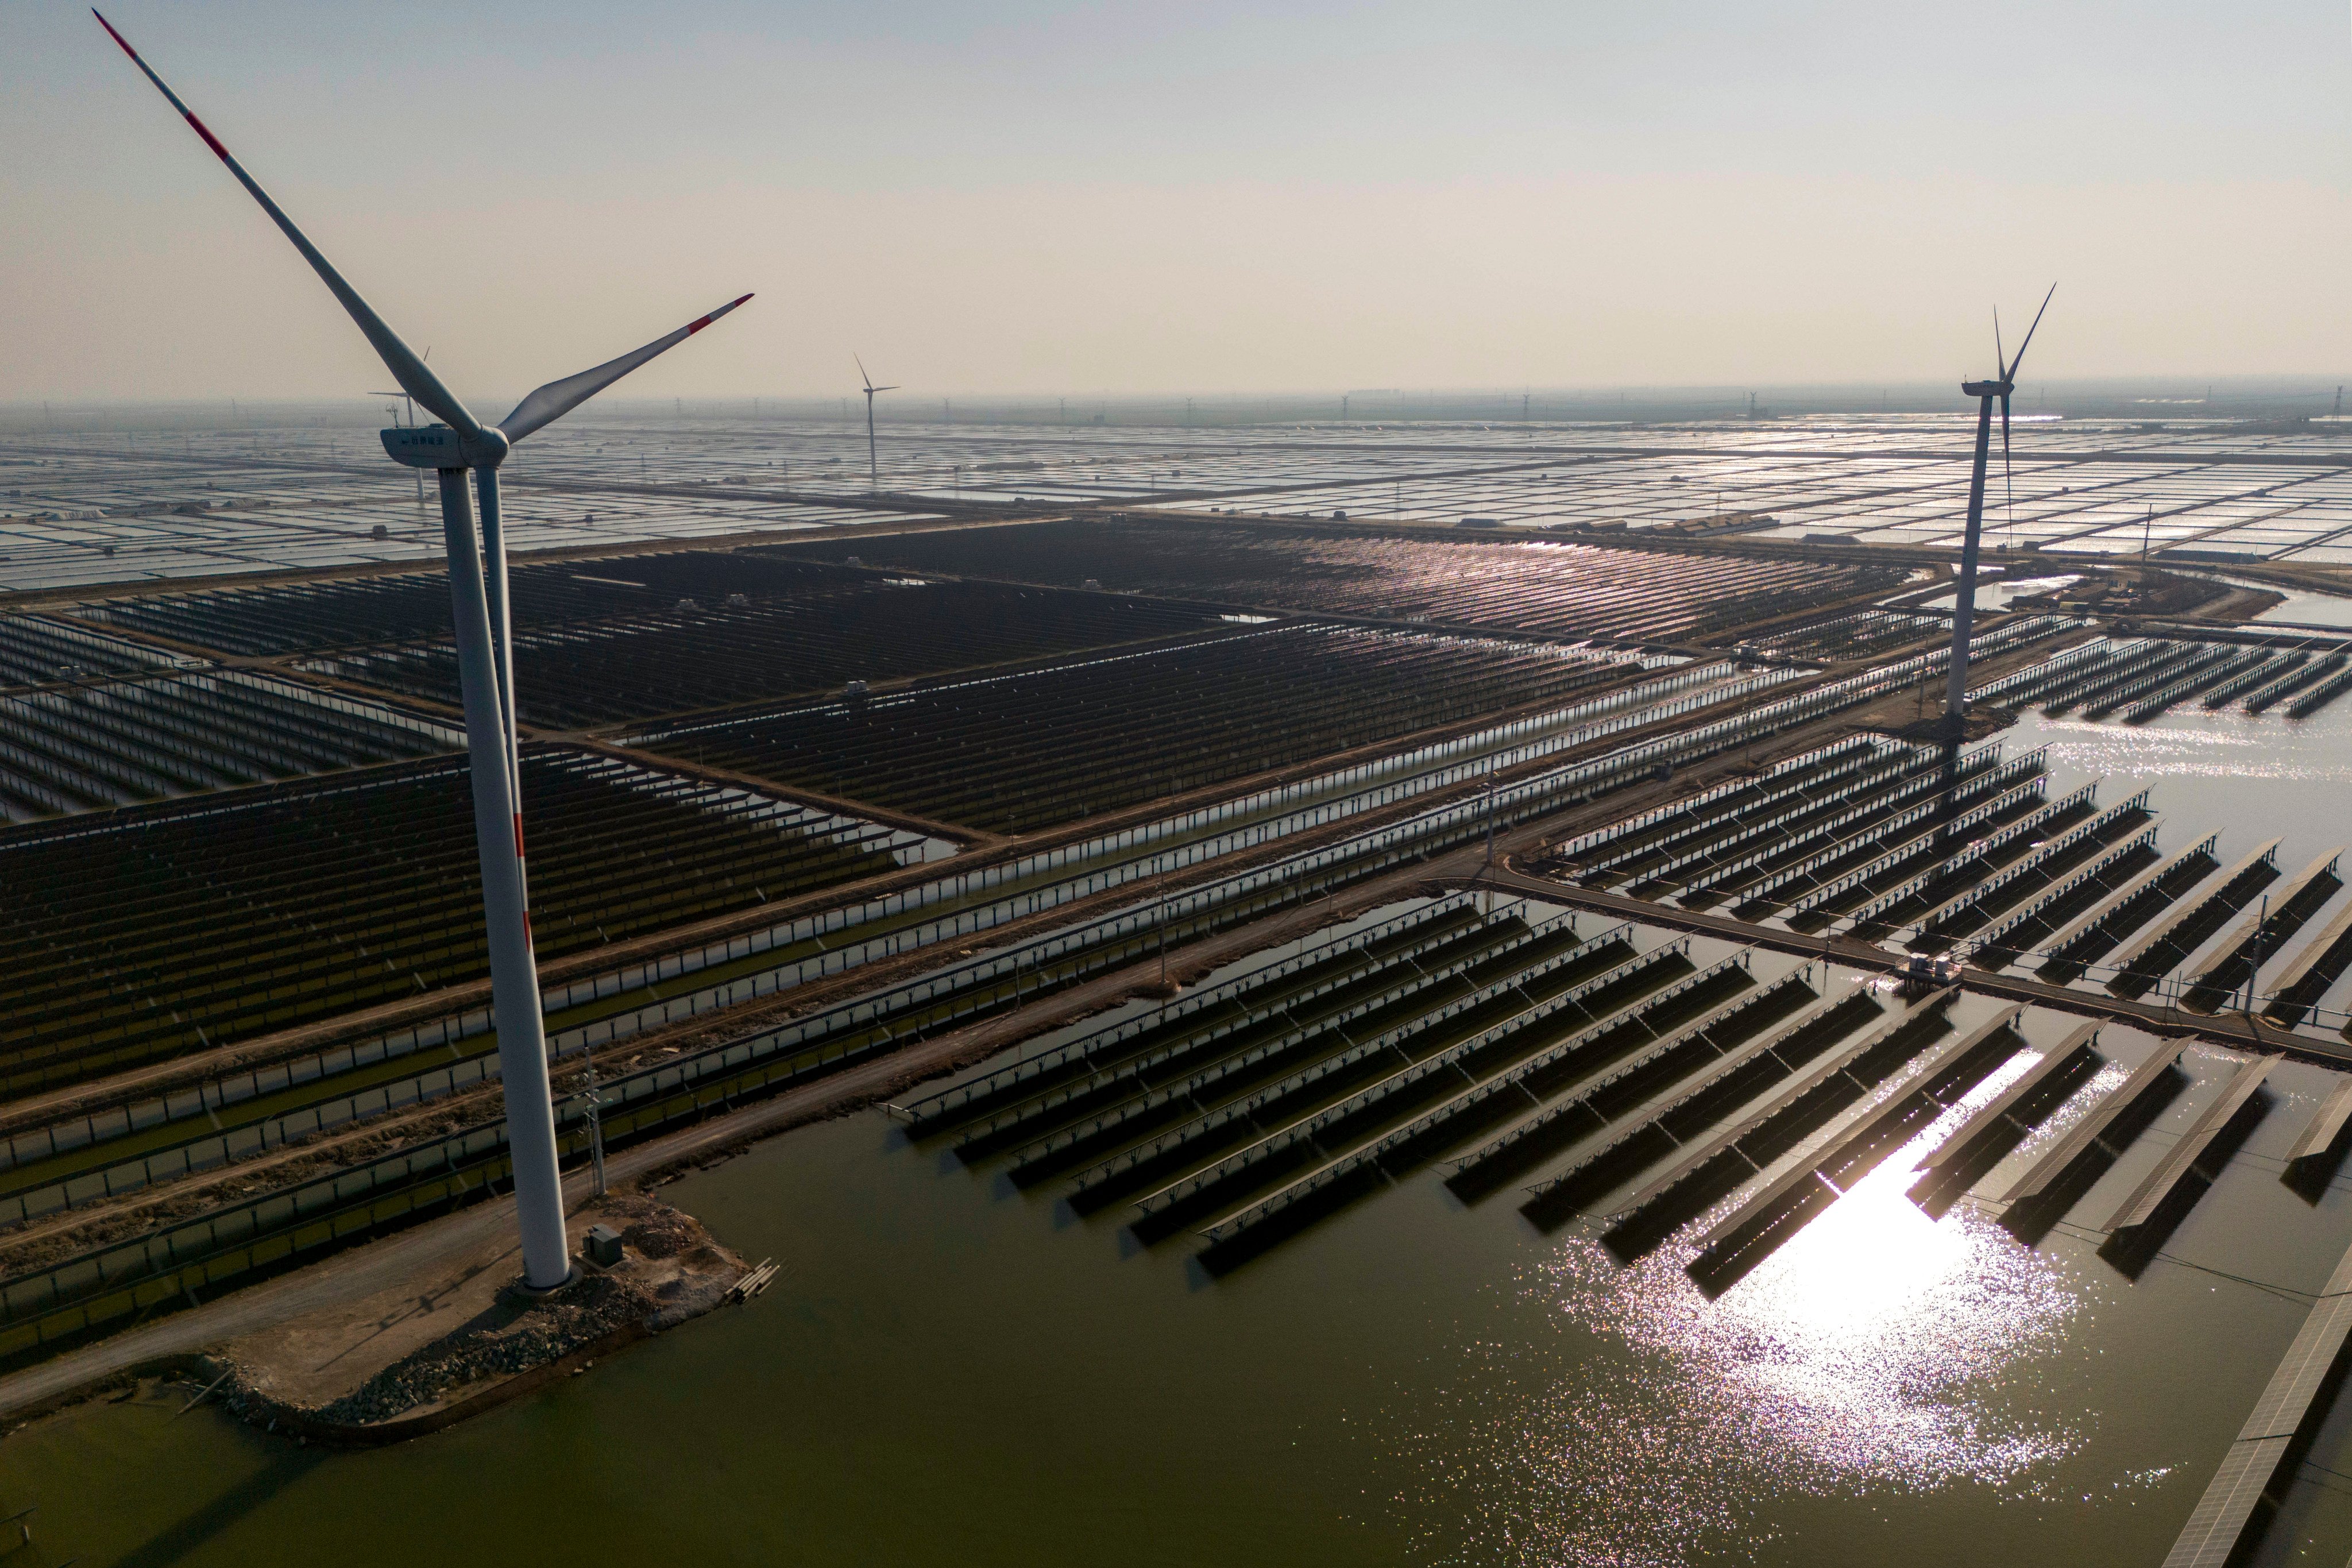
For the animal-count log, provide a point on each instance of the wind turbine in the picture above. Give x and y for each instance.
(1956, 689)
(872, 467)
(486, 677)
(402, 395)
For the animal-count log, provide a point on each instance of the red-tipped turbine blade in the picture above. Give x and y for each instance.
(398, 358)
(558, 398)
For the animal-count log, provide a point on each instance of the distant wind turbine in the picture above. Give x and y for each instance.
(410, 401)
(1956, 688)
(486, 677)
(872, 467)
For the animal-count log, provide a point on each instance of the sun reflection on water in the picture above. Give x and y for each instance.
(2193, 746)
(1656, 1425)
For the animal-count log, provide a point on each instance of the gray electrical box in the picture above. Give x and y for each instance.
(603, 1246)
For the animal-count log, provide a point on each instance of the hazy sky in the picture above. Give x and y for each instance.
(1199, 196)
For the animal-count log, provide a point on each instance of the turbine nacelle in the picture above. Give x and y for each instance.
(1988, 388)
(439, 446)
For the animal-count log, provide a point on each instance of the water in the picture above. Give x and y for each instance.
(1995, 592)
(2299, 609)
(2254, 777)
(948, 1373)
(952, 1372)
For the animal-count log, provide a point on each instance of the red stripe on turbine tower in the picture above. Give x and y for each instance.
(518, 835)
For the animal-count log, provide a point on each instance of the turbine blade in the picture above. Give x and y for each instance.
(863, 376)
(558, 398)
(398, 358)
(2010, 375)
(1998, 360)
(882, 389)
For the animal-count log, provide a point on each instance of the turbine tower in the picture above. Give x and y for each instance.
(872, 467)
(478, 586)
(1956, 689)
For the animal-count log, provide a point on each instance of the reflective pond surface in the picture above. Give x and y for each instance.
(951, 1371)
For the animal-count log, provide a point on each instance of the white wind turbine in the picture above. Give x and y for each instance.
(485, 675)
(873, 466)
(1964, 605)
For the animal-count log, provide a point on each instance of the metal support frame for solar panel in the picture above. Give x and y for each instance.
(1984, 848)
(1931, 811)
(2061, 1156)
(2000, 1111)
(1871, 805)
(2145, 1199)
(1987, 949)
(933, 1111)
(1544, 1125)
(2083, 924)
(2211, 893)
(2326, 1124)
(2251, 938)
(1716, 1078)
(1807, 1082)
(1853, 1129)
(2314, 968)
(1041, 1155)
(1304, 1128)
(1224, 1230)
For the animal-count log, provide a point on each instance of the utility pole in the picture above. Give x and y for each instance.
(595, 1126)
(2254, 958)
(1490, 819)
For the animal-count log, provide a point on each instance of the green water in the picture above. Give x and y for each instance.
(950, 1371)
(946, 1372)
